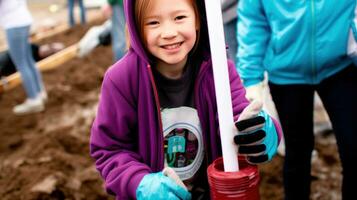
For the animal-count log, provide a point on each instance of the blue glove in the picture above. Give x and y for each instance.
(257, 137)
(157, 186)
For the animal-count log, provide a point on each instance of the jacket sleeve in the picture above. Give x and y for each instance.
(239, 102)
(253, 36)
(113, 144)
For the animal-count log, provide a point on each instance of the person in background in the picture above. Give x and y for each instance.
(229, 12)
(16, 20)
(303, 47)
(71, 17)
(39, 52)
(157, 108)
(114, 10)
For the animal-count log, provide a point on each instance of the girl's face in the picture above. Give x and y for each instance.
(170, 30)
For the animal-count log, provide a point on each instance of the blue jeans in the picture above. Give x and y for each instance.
(294, 104)
(118, 32)
(71, 12)
(230, 32)
(21, 54)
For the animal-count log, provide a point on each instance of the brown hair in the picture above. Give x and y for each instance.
(141, 9)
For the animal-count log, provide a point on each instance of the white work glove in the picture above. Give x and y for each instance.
(91, 38)
(255, 92)
(352, 45)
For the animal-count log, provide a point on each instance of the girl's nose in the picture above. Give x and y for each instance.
(168, 32)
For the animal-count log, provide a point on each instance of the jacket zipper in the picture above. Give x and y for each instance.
(313, 30)
(158, 110)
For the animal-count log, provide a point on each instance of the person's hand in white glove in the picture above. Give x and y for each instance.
(255, 92)
(91, 39)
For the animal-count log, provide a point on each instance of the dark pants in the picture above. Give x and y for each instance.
(294, 104)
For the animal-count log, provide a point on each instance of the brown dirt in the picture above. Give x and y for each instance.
(46, 155)
(53, 145)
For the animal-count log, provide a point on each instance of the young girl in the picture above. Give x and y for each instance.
(158, 107)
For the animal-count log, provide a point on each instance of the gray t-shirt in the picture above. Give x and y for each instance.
(176, 92)
(183, 141)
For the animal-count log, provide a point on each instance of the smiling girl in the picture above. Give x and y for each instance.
(158, 107)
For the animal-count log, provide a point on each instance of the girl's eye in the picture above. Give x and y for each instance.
(181, 17)
(152, 23)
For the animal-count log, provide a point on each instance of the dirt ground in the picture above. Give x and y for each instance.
(46, 155)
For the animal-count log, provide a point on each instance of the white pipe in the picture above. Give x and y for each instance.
(222, 86)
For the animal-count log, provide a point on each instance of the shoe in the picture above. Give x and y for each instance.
(43, 95)
(30, 106)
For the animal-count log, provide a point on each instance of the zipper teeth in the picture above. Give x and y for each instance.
(313, 30)
(156, 96)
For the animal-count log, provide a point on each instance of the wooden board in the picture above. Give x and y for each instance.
(46, 64)
(46, 34)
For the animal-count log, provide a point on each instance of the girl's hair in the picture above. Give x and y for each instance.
(142, 8)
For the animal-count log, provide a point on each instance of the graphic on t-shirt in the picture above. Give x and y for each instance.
(183, 145)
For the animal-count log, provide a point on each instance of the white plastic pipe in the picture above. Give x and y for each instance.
(222, 86)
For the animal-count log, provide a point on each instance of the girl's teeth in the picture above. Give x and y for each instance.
(172, 46)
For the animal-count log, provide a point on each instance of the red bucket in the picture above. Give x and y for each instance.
(242, 185)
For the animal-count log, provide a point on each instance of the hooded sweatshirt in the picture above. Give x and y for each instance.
(127, 136)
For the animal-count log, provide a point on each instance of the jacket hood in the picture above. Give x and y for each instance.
(136, 44)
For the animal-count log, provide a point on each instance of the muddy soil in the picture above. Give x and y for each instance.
(45, 155)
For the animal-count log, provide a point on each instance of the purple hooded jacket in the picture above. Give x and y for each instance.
(127, 136)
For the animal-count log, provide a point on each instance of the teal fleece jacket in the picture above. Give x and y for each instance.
(296, 42)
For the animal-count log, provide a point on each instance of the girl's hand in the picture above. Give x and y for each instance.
(156, 186)
(169, 172)
(257, 137)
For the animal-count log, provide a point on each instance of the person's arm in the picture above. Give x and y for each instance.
(253, 37)
(112, 143)
(113, 146)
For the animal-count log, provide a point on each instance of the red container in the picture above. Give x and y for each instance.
(242, 185)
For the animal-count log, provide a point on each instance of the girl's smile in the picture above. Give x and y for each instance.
(174, 46)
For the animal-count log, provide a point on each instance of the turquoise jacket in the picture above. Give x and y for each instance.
(295, 41)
